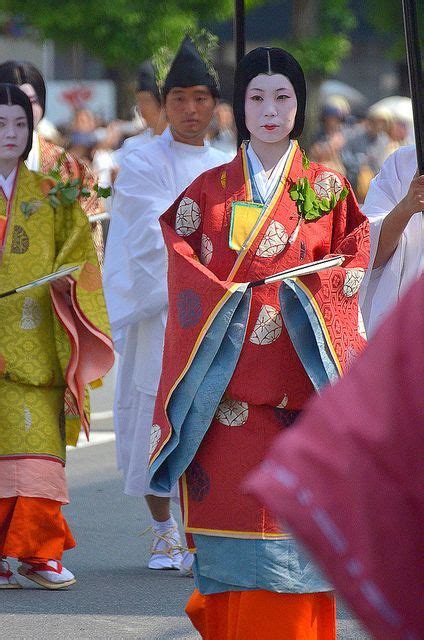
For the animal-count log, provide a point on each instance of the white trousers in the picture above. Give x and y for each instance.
(133, 417)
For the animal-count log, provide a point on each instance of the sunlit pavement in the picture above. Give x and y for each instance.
(116, 596)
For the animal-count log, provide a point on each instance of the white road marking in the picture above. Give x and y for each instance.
(96, 437)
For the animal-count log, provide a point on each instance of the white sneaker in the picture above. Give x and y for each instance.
(50, 575)
(166, 549)
(7, 578)
(186, 566)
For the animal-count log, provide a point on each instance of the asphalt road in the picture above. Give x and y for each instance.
(116, 596)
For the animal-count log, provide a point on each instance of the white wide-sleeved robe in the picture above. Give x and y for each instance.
(384, 285)
(150, 179)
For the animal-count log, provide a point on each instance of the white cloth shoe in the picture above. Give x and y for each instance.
(186, 566)
(7, 577)
(50, 575)
(166, 549)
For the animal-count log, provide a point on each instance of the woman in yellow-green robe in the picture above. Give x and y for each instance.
(54, 342)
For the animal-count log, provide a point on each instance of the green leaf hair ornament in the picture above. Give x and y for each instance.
(58, 192)
(310, 206)
(161, 61)
(206, 44)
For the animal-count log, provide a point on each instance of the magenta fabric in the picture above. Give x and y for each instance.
(348, 479)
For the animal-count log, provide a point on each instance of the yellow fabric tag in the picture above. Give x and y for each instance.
(244, 216)
(96, 383)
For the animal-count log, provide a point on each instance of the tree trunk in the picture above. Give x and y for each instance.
(306, 24)
(125, 82)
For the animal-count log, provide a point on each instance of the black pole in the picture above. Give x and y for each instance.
(239, 37)
(413, 57)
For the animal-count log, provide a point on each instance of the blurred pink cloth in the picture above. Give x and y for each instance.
(349, 477)
(35, 478)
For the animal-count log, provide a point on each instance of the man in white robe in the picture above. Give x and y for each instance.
(151, 177)
(393, 205)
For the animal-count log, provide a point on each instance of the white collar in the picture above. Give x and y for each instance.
(33, 160)
(7, 183)
(266, 185)
(182, 146)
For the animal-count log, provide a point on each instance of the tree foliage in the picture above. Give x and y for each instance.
(122, 32)
(322, 45)
(118, 32)
(386, 16)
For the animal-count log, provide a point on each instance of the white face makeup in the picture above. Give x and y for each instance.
(13, 132)
(270, 108)
(37, 111)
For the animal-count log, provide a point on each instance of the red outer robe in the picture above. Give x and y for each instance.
(269, 380)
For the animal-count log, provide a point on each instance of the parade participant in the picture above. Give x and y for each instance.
(46, 156)
(366, 148)
(356, 458)
(150, 179)
(240, 363)
(149, 108)
(54, 342)
(393, 205)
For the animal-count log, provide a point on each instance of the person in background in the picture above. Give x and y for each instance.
(366, 148)
(82, 130)
(45, 155)
(150, 178)
(223, 132)
(393, 205)
(104, 164)
(149, 108)
(331, 139)
(54, 343)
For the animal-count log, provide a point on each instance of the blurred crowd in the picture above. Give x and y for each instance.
(357, 143)
(354, 142)
(98, 143)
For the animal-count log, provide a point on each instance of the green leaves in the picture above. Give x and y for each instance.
(305, 160)
(62, 193)
(102, 192)
(85, 193)
(343, 194)
(321, 35)
(121, 33)
(310, 206)
(68, 194)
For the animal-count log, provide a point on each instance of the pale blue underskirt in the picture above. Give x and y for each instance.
(233, 564)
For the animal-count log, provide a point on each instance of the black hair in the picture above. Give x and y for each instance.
(11, 95)
(268, 60)
(22, 72)
(147, 80)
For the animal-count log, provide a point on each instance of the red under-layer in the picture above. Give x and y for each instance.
(249, 615)
(33, 528)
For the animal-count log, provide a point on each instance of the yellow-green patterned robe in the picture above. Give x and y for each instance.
(35, 344)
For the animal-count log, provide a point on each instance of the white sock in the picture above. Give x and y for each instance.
(161, 527)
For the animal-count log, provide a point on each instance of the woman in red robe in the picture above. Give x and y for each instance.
(240, 362)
